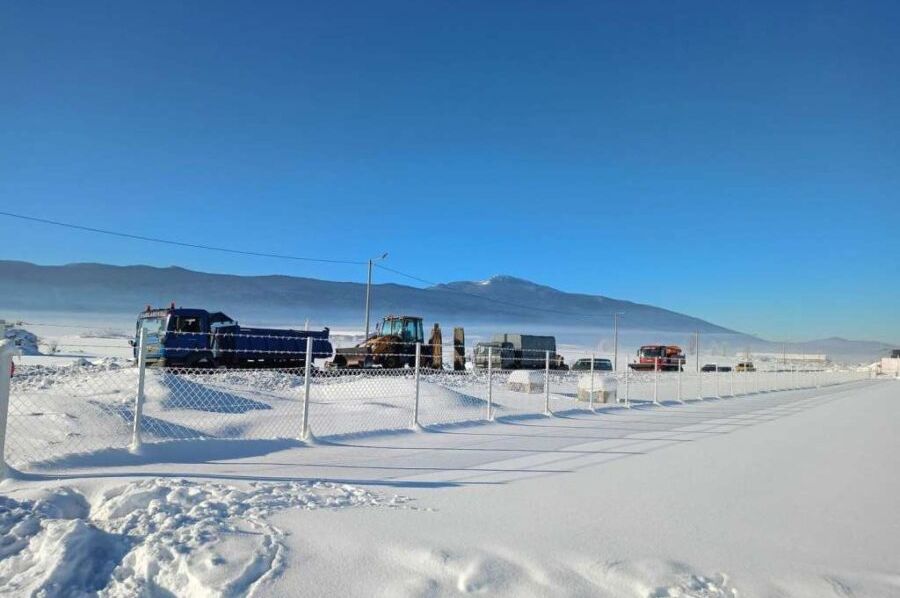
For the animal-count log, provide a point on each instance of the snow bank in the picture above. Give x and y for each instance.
(26, 341)
(157, 536)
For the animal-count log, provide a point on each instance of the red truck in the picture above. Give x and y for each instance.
(666, 358)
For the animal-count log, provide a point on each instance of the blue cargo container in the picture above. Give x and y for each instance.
(183, 337)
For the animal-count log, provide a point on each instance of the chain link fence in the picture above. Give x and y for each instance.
(48, 414)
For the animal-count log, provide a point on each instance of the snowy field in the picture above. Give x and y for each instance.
(767, 493)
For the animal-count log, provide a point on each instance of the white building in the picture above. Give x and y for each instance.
(890, 366)
(805, 357)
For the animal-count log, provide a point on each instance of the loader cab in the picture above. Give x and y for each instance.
(407, 328)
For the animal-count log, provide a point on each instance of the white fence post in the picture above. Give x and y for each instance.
(547, 384)
(7, 350)
(680, 374)
(307, 370)
(627, 396)
(656, 381)
(718, 393)
(731, 383)
(591, 397)
(490, 384)
(139, 399)
(699, 385)
(415, 422)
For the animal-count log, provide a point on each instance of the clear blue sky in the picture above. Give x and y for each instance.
(735, 161)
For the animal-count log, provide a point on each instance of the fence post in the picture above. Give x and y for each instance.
(490, 381)
(547, 384)
(139, 399)
(7, 350)
(307, 370)
(680, 373)
(415, 423)
(731, 383)
(656, 381)
(627, 397)
(718, 393)
(591, 397)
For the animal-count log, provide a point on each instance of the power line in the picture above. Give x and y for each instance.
(494, 300)
(292, 257)
(112, 233)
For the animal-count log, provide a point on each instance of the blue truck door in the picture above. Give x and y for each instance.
(192, 336)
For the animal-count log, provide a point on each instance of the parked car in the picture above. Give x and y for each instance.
(600, 365)
(745, 366)
(711, 367)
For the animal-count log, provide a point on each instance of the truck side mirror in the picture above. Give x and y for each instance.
(131, 342)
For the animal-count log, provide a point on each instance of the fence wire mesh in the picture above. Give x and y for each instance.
(59, 411)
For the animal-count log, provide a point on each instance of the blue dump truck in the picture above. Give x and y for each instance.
(182, 337)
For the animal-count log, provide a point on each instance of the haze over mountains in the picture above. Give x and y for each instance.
(502, 301)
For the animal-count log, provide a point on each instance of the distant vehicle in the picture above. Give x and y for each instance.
(711, 367)
(183, 337)
(519, 352)
(666, 358)
(600, 365)
(393, 346)
(745, 366)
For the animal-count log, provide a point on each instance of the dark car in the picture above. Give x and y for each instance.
(600, 365)
(711, 367)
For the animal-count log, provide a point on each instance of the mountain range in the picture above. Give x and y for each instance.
(501, 301)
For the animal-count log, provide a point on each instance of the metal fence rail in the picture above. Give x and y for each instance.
(48, 414)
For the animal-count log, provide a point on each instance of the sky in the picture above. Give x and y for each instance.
(738, 162)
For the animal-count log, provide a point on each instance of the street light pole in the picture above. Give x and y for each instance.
(616, 340)
(697, 349)
(369, 290)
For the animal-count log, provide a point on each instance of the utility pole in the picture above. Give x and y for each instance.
(697, 348)
(616, 340)
(369, 289)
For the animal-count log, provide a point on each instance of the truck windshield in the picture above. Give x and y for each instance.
(651, 352)
(151, 325)
(391, 327)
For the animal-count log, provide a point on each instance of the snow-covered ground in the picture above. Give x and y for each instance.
(787, 493)
(777, 494)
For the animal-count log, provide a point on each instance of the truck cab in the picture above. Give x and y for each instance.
(179, 335)
(406, 328)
